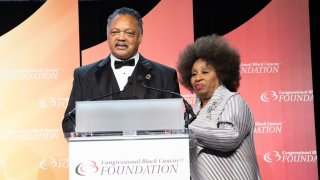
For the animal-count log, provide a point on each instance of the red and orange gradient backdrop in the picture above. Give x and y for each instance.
(38, 56)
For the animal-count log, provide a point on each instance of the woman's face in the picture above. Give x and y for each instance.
(204, 79)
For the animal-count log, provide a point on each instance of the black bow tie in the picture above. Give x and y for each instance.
(119, 64)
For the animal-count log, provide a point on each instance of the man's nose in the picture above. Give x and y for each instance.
(121, 35)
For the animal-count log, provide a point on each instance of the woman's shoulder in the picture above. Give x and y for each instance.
(237, 100)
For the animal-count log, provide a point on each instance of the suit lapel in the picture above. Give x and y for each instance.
(104, 75)
(143, 72)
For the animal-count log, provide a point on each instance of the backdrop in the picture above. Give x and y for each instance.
(41, 42)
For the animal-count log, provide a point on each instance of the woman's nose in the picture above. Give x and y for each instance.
(198, 77)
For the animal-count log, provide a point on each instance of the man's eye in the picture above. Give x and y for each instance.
(114, 32)
(130, 33)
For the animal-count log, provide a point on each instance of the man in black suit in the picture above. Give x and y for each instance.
(125, 69)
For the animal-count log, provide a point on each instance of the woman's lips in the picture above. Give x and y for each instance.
(199, 86)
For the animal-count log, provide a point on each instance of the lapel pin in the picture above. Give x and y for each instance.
(148, 76)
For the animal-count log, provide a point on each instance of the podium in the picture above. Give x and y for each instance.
(124, 153)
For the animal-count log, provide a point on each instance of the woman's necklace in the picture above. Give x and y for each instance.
(215, 103)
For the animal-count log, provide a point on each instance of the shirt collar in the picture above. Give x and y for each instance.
(113, 58)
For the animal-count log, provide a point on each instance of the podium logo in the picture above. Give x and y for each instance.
(87, 168)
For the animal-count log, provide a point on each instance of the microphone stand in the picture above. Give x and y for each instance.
(70, 117)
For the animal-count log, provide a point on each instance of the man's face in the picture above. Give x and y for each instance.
(124, 37)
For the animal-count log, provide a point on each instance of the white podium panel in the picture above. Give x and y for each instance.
(162, 157)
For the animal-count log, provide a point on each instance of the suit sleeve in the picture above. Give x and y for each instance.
(67, 124)
(233, 126)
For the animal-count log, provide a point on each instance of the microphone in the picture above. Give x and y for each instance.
(71, 114)
(188, 107)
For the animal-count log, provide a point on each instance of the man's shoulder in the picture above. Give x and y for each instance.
(91, 66)
(159, 65)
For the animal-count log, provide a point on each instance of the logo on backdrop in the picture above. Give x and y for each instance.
(291, 156)
(287, 96)
(29, 135)
(268, 127)
(1, 164)
(190, 98)
(29, 74)
(53, 102)
(260, 68)
(1, 104)
(54, 162)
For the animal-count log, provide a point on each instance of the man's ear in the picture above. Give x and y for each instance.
(140, 38)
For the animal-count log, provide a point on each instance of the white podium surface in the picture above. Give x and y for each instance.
(139, 115)
(143, 157)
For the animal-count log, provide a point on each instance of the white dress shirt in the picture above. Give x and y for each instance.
(124, 72)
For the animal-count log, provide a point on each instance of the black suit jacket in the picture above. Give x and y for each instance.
(97, 79)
